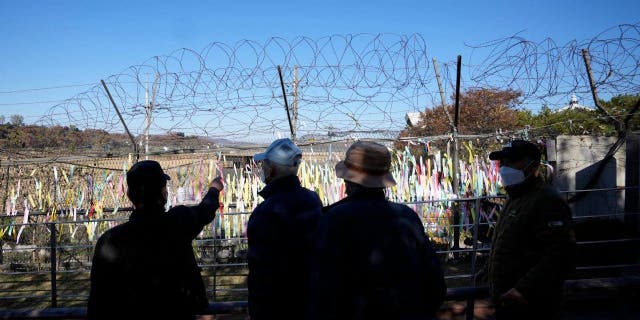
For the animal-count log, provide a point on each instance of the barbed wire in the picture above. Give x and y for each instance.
(545, 69)
(362, 82)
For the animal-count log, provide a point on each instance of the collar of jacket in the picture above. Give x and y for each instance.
(284, 183)
(367, 193)
(364, 193)
(524, 187)
(142, 215)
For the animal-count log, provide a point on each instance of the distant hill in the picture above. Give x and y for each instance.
(32, 138)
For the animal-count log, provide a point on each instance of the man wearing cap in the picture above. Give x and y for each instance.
(145, 268)
(373, 258)
(279, 233)
(533, 243)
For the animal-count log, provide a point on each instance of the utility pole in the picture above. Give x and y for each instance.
(442, 98)
(147, 120)
(149, 112)
(455, 182)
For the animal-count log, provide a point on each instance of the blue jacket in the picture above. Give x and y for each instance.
(374, 261)
(279, 233)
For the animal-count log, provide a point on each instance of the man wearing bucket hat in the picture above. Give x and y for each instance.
(373, 259)
(279, 234)
(533, 243)
(145, 268)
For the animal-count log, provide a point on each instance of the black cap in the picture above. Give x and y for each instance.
(517, 150)
(146, 172)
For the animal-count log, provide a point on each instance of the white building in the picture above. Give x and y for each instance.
(574, 105)
(413, 118)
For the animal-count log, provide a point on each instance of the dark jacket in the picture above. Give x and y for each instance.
(374, 261)
(533, 246)
(279, 233)
(146, 268)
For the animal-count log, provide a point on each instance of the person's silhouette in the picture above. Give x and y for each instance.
(146, 267)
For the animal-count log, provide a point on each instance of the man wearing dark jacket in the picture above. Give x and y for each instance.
(145, 268)
(279, 233)
(373, 258)
(533, 243)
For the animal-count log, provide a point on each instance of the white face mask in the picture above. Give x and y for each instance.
(262, 168)
(262, 177)
(511, 176)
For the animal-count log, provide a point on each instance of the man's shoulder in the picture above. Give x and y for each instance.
(548, 195)
(116, 233)
(341, 213)
(548, 203)
(405, 212)
(261, 207)
(294, 197)
(348, 205)
(309, 193)
(336, 206)
(400, 207)
(549, 190)
(297, 193)
(177, 210)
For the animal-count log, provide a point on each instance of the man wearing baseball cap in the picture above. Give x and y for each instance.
(533, 244)
(373, 258)
(279, 233)
(145, 268)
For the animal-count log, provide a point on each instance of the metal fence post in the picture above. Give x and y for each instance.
(52, 242)
(476, 226)
(215, 269)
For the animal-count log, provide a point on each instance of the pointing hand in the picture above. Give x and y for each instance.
(218, 183)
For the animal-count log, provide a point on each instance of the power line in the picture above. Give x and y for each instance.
(350, 82)
(38, 102)
(48, 88)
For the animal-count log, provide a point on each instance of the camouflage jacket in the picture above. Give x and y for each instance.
(533, 246)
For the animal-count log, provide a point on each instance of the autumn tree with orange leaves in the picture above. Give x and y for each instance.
(481, 111)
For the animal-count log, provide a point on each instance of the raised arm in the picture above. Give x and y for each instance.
(189, 221)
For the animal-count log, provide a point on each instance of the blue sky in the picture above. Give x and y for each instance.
(63, 43)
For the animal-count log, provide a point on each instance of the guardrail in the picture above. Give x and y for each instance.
(53, 293)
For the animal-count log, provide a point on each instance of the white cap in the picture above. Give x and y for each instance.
(283, 152)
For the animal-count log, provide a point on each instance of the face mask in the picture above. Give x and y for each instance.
(262, 177)
(263, 167)
(511, 176)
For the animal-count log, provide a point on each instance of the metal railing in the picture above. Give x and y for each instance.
(218, 255)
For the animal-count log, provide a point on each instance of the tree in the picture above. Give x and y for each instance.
(17, 120)
(1, 119)
(549, 124)
(481, 111)
(622, 105)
